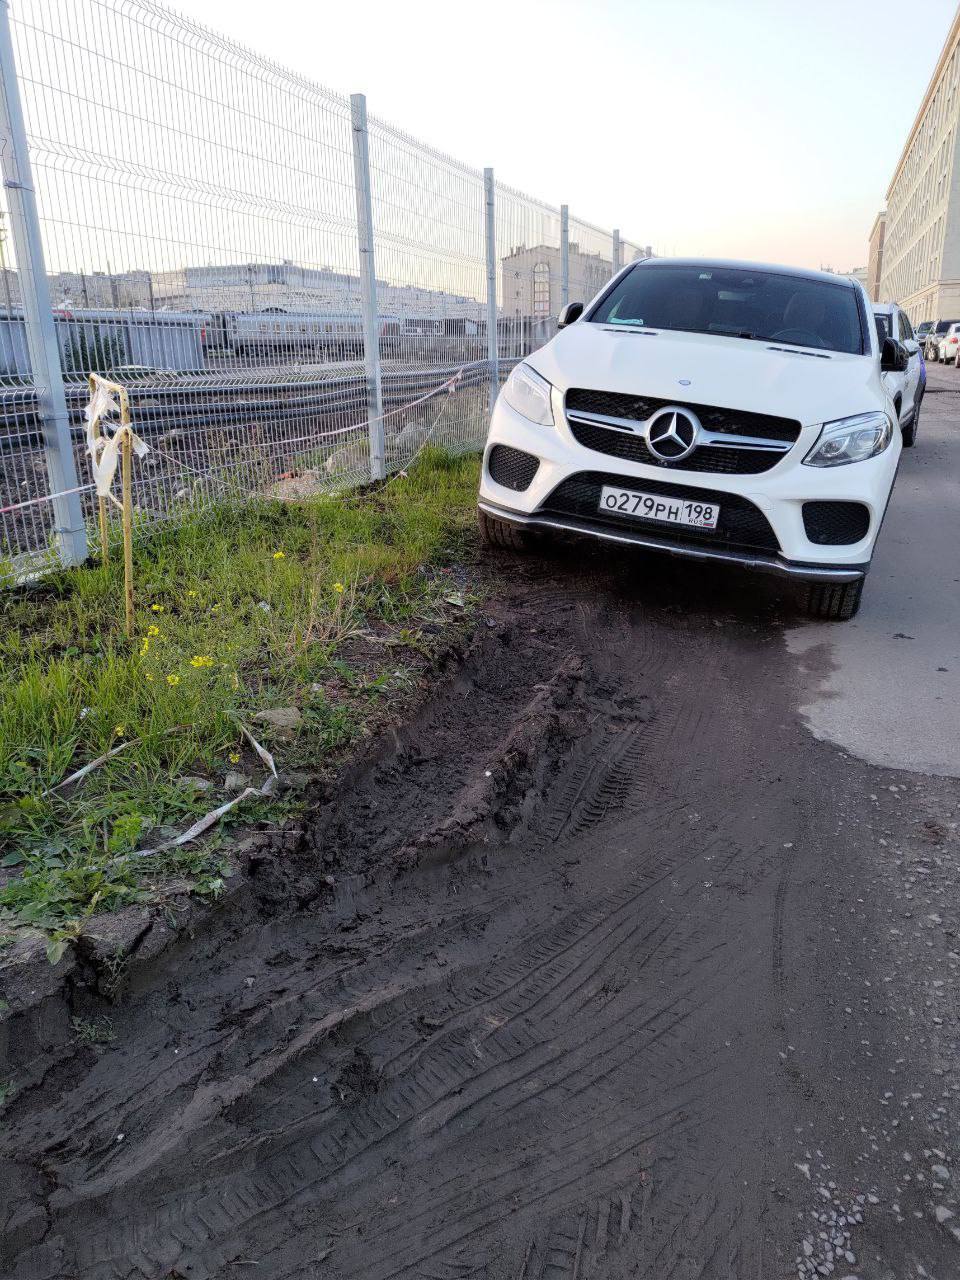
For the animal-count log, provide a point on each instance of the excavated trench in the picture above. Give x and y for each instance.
(570, 976)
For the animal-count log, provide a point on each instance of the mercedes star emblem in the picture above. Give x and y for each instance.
(672, 434)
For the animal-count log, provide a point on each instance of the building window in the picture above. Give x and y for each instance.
(541, 289)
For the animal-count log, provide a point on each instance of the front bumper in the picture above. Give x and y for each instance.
(757, 560)
(778, 494)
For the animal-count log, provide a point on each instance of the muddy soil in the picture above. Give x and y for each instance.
(601, 966)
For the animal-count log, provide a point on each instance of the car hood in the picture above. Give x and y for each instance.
(692, 368)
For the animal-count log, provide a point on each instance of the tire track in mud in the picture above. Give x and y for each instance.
(525, 1035)
(441, 1076)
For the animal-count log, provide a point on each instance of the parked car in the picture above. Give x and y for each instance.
(935, 336)
(922, 329)
(722, 411)
(949, 345)
(906, 387)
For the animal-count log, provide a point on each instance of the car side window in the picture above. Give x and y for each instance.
(906, 329)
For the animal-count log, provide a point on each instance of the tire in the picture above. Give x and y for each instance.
(501, 535)
(910, 433)
(829, 602)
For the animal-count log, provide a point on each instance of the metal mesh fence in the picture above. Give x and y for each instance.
(202, 234)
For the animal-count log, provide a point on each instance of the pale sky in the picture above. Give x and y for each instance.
(760, 129)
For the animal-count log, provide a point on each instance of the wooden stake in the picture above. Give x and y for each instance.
(126, 475)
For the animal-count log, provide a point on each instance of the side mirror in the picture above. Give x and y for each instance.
(893, 357)
(572, 311)
(911, 346)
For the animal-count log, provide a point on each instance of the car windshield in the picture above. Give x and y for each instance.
(738, 303)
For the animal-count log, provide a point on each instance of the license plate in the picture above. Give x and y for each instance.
(657, 506)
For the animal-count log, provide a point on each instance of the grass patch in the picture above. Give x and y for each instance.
(94, 1030)
(327, 606)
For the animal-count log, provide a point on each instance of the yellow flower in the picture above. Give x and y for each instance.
(149, 677)
(157, 608)
(191, 593)
(173, 681)
(120, 730)
(144, 648)
(215, 609)
(278, 555)
(339, 588)
(153, 631)
(234, 757)
(201, 660)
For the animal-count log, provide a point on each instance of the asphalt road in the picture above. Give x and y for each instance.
(887, 685)
(636, 953)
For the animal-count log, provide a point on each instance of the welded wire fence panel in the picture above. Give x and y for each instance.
(528, 248)
(198, 210)
(428, 224)
(591, 259)
(630, 252)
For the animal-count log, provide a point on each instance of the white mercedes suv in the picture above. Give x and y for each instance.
(722, 411)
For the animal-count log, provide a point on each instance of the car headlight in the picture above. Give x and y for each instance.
(529, 394)
(851, 440)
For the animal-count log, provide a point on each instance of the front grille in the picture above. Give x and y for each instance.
(835, 524)
(741, 524)
(512, 467)
(737, 422)
(708, 457)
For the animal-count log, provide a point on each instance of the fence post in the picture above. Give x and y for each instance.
(564, 255)
(368, 285)
(44, 350)
(617, 251)
(493, 347)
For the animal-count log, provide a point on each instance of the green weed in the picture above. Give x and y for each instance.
(94, 1030)
(238, 609)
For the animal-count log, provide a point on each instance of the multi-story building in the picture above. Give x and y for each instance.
(287, 286)
(921, 246)
(531, 277)
(875, 259)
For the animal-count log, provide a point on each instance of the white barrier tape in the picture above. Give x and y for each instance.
(262, 752)
(402, 473)
(105, 450)
(449, 386)
(106, 403)
(47, 497)
(207, 821)
(89, 768)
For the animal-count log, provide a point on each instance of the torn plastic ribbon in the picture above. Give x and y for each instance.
(104, 450)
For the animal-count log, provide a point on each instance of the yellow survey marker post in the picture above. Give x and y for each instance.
(108, 397)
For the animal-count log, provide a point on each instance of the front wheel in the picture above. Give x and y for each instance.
(834, 602)
(501, 535)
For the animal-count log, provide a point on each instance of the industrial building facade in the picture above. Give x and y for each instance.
(921, 242)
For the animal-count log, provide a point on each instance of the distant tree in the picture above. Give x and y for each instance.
(98, 352)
